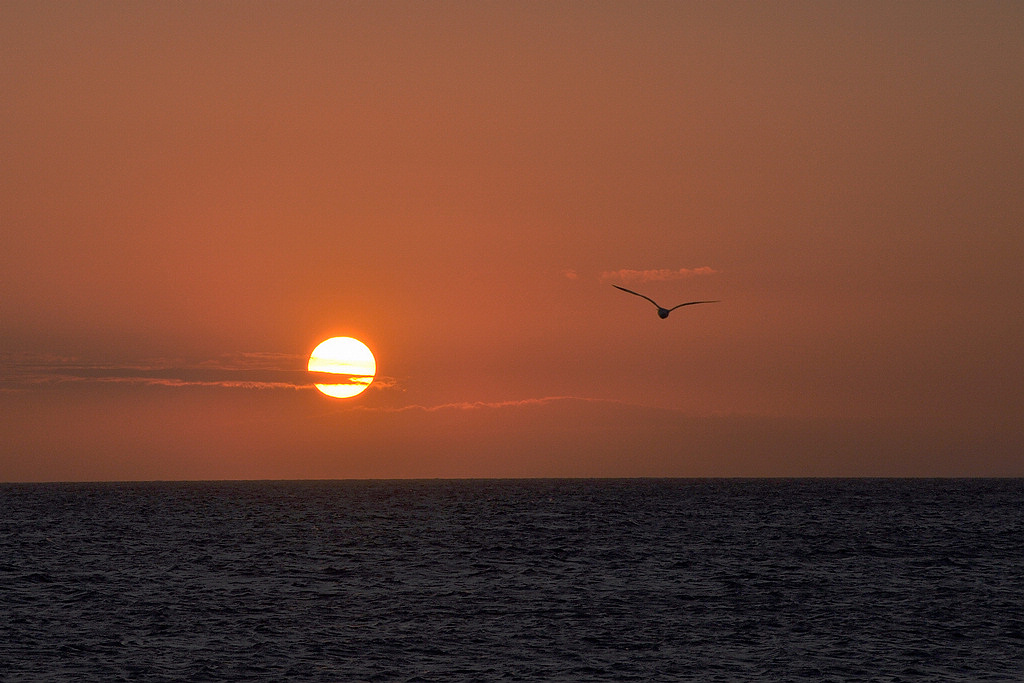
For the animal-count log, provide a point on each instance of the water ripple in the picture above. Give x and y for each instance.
(513, 580)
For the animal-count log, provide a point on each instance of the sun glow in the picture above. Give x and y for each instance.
(349, 358)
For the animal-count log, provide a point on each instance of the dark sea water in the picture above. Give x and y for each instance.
(705, 580)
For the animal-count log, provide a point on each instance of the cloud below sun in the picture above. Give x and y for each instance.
(238, 371)
(246, 371)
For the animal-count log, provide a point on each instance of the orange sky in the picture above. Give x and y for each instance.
(192, 196)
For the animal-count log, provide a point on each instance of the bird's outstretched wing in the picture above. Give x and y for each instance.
(690, 303)
(630, 291)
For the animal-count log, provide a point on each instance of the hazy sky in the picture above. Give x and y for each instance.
(193, 195)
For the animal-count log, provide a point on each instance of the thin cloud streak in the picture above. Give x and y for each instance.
(658, 275)
(241, 371)
(487, 405)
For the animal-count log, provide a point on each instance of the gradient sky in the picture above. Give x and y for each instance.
(193, 195)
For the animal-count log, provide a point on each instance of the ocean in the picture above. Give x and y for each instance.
(498, 580)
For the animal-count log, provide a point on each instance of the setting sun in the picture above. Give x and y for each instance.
(349, 358)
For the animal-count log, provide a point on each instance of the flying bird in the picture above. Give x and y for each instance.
(662, 312)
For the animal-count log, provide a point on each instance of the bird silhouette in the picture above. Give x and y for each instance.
(662, 312)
